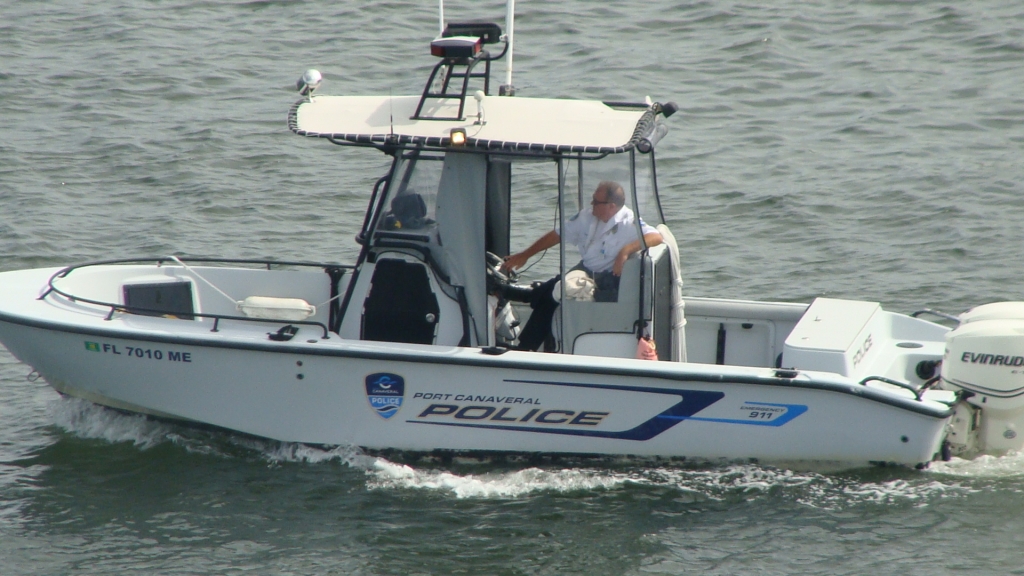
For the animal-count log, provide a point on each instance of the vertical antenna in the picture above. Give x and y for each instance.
(440, 17)
(507, 89)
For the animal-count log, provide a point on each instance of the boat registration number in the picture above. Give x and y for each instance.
(139, 352)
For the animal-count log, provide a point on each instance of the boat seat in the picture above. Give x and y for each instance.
(608, 328)
(400, 305)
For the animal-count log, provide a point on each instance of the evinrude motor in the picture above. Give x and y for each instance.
(985, 356)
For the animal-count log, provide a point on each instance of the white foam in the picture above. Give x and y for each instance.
(1008, 466)
(719, 481)
(293, 452)
(847, 492)
(385, 474)
(714, 483)
(87, 420)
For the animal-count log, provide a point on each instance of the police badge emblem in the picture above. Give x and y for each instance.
(385, 392)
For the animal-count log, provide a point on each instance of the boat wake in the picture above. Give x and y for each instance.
(503, 484)
(1008, 466)
(694, 485)
(507, 478)
(90, 421)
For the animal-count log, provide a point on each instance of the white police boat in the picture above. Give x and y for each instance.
(413, 347)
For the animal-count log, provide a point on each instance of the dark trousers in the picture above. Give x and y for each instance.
(538, 327)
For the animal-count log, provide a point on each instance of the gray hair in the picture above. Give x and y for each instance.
(613, 193)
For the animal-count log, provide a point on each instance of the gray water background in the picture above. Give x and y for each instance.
(867, 150)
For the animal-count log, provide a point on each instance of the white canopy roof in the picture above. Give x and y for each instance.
(509, 123)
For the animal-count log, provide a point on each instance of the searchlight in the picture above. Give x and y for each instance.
(309, 82)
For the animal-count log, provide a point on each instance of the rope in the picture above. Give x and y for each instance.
(328, 301)
(222, 293)
(210, 284)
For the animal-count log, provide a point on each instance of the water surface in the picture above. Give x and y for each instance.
(868, 150)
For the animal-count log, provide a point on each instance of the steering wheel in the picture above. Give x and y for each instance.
(495, 275)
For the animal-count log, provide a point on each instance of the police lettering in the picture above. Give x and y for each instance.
(507, 414)
(862, 351)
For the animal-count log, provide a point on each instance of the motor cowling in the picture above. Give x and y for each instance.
(985, 355)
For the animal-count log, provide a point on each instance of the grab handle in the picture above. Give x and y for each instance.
(918, 392)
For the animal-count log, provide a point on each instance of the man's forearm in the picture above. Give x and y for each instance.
(650, 239)
(519, 259)
(543, 243)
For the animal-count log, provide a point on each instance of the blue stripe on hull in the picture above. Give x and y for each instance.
(690, 403)
(792, 411)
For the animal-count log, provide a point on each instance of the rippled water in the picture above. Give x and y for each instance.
(863, 150)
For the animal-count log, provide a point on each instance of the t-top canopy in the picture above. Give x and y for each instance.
(498, 123)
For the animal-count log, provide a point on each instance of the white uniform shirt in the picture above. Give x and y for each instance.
(600, 242)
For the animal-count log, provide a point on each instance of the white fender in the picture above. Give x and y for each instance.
(678, 316)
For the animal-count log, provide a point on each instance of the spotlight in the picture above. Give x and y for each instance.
(458, 137)
(309, 82)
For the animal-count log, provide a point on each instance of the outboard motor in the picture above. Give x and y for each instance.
(985, 356)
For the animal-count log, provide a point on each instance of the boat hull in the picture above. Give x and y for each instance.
(424, 398)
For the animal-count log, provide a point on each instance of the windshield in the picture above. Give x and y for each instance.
(583, 176)
(411, 202)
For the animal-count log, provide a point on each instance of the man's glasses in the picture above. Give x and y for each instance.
(596, 203)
